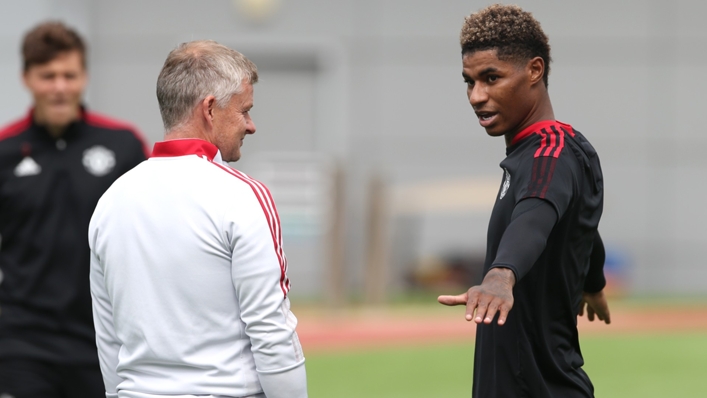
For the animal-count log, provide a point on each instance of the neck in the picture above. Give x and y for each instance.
(542, 110)
(185, 131)
(55, 130)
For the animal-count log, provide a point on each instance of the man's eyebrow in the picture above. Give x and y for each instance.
(488, 70)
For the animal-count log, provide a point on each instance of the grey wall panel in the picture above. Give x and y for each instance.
(128, 92)
(631, 75)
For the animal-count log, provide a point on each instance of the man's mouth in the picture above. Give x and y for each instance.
(486, 118)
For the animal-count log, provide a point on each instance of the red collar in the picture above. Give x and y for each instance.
(535, 127)
(182, 147)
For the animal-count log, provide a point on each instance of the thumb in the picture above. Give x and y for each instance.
(453, 300)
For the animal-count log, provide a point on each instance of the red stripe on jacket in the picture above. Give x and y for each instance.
(268, 205)
(552, 142)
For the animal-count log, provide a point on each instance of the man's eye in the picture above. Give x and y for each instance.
(492, 78)
(469, 83)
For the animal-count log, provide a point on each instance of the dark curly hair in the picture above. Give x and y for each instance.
(512, 32)
(47, 40)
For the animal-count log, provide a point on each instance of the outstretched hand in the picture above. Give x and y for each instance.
(494, 295)
(596, 306)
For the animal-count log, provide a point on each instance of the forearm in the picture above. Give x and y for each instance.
(526, 236)
(288, 384)
(264, 309)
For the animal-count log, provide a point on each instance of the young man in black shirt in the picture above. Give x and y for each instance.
(544, 257)
(55, 163)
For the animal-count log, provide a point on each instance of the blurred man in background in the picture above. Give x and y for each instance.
(55, 163)
(188, 275)
(544, 256)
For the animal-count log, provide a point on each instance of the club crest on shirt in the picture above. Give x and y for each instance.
(98, 160)
(506, 184)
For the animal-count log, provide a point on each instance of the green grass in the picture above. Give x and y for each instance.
(429, 371)
(645, 366)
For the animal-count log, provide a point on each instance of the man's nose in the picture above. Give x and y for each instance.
(477, 95)
(60, 84)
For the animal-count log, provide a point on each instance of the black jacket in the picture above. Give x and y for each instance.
(48, 190)
(536, 352)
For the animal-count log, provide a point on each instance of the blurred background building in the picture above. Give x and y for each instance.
(382, 175)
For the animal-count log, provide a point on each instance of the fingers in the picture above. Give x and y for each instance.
(486, 312)
(596, 306)
(482, 304)
(481, 310)
(460, 299)
(607, 317)
(581, 308)
(504, 314)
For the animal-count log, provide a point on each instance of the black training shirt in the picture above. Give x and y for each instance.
(48, 190)
(549, 166)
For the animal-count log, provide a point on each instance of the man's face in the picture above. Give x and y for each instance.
(499, 92)
(57, 88)
(232, 123)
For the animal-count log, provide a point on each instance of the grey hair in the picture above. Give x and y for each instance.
(195, 70)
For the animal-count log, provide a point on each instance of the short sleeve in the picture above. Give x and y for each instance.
(552, 178)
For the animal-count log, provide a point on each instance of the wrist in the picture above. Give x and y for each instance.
(503, 274)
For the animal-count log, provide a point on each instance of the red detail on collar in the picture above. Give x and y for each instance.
(182, 147)
(15, 127)
(536, 127)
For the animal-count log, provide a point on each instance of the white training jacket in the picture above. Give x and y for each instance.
(189, 285)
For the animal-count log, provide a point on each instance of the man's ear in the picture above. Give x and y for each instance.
(536, 70)
(206, 108)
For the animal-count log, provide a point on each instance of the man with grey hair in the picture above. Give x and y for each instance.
(188, 276)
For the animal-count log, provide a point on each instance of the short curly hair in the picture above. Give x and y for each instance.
(515, 35)
(49, 39)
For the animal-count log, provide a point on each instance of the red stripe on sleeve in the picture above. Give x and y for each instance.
(553, 142)
(550, 172)
(543, 169)
(561, 144)
(543, 143)
(278, 230)
(268, 205)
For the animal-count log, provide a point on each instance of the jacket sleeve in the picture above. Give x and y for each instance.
(526, 236)
(259, 276)
(106, 339)
(595, 281)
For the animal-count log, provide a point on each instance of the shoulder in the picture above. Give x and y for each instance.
(551, 139)
(15, 127)
(99, 120)
(545, 145)
(107, 123)
(246, 186)
(241, 180)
